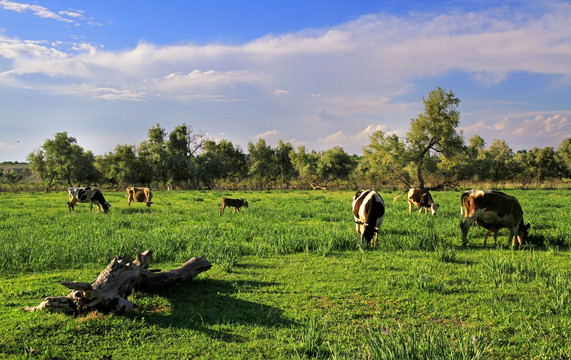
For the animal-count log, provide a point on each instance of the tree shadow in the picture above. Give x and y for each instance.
(202, 304)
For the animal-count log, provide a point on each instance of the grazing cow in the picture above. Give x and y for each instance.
(236, 203)
(139, 194)
(89, 194)
(369, 213)
(420, 198)
(492, 210)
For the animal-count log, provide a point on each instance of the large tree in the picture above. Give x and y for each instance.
(434, 130)
(62, 159)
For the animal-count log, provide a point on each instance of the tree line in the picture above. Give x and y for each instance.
(432, 154)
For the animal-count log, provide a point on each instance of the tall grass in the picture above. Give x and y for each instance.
(37, 232)
(411, 343)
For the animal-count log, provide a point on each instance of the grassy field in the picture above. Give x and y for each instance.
(289, 280)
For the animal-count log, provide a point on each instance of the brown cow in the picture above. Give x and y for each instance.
(236, 203)
(369, 213)
(493, 210)
(139, 194)
(420, 198)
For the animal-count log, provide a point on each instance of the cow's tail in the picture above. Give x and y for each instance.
(463, 204)
(398, 196)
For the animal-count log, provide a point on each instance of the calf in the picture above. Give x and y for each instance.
(492, 210)
(236, 203)
(139, 194)
(369, 213)
(89, 194)
(420, 198)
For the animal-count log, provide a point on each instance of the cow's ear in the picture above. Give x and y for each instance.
(527, 226)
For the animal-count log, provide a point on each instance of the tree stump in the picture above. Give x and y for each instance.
(112, 287)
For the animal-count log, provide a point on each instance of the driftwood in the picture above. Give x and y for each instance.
(112, 287)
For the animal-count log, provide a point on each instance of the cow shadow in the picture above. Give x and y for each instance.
(206, 304)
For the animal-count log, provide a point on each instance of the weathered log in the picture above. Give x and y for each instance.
(110, 290)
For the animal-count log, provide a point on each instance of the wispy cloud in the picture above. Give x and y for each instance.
(67, 16)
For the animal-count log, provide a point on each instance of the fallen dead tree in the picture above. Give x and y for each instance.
(112, 287)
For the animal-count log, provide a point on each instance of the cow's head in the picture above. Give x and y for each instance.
(433, 208)
(245, 203)
(106, 207)
(522, 231)
(148, 203)
(367, 234)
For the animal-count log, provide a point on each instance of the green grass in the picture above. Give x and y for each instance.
(289, 280)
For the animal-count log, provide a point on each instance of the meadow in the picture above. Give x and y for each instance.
(289, 279)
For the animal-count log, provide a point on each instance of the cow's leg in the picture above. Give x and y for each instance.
(375, 239)
(486, 237)
(465, 226)
(410, 206)
(221, 212)
(128, 202)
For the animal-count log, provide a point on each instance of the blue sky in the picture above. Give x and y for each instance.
(314, 73)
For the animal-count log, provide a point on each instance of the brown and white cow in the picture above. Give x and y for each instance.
(236, 203)
(91, 195)
(421, 198)
(369, 213)
(492, 210)
(139, 194)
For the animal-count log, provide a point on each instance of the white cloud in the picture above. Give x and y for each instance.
(280, 92)
(334, 138)
(267, 134)
(557, 126)
(39, 11)
(347, 63)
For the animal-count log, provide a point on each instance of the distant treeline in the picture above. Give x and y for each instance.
(432, 154)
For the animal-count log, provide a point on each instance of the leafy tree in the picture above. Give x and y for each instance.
(286, 169)
(319, 170)
(155, 150)
(120, 166)
(181, 162)
(263, 162)
(221, 161)
(386, 158)
(334, 165)
(564, 155)
(305, 163)
(435, 129)
(546, 164)
(11, 176)
(61, 159)
(501, 156)
(477, 162)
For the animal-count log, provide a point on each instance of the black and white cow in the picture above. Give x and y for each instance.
(492, 210)
(421, 198)
(369, 213)
(91, 195)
